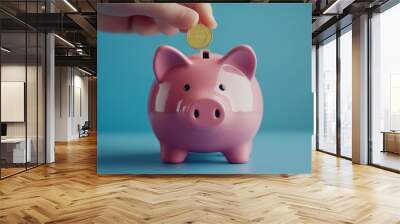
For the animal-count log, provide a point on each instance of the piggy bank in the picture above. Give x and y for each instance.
(205, 103)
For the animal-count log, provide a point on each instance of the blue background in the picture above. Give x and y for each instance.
(280, 34)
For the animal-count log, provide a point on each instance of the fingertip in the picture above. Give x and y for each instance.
(210, 24)
(205, 13)
(188, 19)
(213, 25)
(209, 21)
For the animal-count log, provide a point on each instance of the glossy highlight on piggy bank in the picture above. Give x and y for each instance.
(205, 103)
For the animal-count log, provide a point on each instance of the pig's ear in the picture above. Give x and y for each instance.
(166, 58)
(243, 58)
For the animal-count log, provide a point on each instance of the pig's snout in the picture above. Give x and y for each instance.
(206, 113)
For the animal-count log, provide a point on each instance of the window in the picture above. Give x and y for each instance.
(327, 95)
(333, 137)
(346, 92)
(385, 89)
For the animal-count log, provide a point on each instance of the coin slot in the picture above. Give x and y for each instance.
(206, 55)
(217, 113)
(186, 87)
(196, 113)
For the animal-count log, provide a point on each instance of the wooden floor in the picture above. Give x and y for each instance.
(5, 172)
(387, 159)
(70, 191)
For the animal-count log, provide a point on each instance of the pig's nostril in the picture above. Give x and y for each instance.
(196, 113)
(217, 113)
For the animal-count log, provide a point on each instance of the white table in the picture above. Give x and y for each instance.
(19, 152)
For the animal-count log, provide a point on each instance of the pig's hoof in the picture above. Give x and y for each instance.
(169, 155)
(240, 154)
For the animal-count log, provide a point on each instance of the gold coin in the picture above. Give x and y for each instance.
(199, 36)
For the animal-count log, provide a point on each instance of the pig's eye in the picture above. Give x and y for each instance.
(222, 87)
(186, 87)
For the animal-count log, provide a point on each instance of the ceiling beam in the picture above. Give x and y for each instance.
(334, 10)
(81, 61)
(338, 6)
(84, 24)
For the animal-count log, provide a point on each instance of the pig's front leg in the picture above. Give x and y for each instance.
(238, 154)
(171, 154)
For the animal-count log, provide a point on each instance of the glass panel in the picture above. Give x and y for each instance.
(41, 98)
(386, 89)
(31, 100)
(32, 87)
(13, 88)
(346, 94)
(327, 96)
(23, 90)
(314, 84)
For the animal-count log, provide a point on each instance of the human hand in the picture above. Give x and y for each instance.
(153, 18)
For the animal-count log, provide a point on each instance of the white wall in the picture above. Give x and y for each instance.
(71, 102)
(16, 72)
(9, 73)
(81, 85)
(62, 82)
(13, 101)
(33, 127)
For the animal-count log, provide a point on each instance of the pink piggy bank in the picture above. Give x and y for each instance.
(205, 103)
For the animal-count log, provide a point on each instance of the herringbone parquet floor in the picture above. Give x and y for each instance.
(70, 191)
